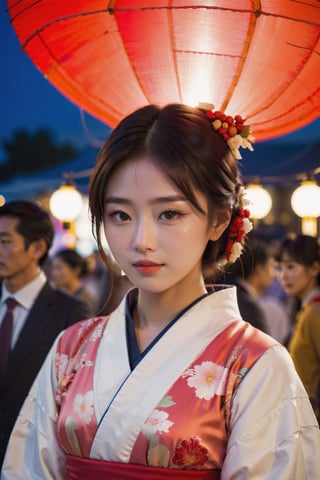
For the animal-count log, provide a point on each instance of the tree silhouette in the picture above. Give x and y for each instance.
(30, 153)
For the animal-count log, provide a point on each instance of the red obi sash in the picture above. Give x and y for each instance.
(79, 468)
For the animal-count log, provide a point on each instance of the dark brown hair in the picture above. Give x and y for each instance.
(183, 144)
(303, 249)
(73, 259)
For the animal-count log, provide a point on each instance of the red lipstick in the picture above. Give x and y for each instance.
(147, 268)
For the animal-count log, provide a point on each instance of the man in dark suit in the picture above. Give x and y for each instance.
(40, 313)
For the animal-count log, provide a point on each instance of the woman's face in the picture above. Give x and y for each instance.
(297, 279)
(61, 273)
(154, 233)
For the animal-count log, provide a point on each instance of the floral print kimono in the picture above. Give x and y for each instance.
(211, 398)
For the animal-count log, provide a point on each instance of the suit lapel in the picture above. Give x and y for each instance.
(39, 316)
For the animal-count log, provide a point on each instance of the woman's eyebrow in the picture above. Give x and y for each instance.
(113, 199)
(164, 199)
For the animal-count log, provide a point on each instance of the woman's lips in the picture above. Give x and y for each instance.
(147, 268)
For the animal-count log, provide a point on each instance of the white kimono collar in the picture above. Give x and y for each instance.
(131, 396)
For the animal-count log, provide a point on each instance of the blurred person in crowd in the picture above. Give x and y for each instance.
(251, 274)
(67, 270)
(254, 274)
(271, 294)
(300, 276)
(92, 279)
(277, 313)
(173, 384)
(38, 312)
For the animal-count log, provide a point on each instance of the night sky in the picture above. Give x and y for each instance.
(30, 102)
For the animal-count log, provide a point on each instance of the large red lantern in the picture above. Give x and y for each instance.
(256, 58)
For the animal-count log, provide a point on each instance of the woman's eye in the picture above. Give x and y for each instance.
(170, 215)
(119, 216)
(290, 266)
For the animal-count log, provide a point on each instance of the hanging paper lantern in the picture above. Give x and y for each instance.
(258, 59)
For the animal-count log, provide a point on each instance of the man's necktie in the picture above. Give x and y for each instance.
(6, 333)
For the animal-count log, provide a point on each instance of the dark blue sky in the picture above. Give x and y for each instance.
(30, 102)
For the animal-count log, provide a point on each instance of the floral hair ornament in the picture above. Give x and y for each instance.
(239, 227)
(232, 129)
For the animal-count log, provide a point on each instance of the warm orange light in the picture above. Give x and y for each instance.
(110, 58)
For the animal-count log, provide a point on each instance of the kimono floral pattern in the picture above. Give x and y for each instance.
(73, 372)
(205, 383)
(83, 406)
(188, 428)
(207, 379)
(157, 422)
(67, 366)
(190, 453)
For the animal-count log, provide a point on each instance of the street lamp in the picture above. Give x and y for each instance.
(305, 202)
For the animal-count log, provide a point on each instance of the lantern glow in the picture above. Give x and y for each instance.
(66, 203)
(305, 202)
(260, 201)
(110, 58)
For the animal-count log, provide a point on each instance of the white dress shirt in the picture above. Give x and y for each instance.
(26, 297)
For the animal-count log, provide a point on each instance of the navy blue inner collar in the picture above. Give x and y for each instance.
(135, 356)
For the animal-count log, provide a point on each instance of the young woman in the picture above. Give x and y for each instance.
(67, 270)
(300, 277)
(173, 384)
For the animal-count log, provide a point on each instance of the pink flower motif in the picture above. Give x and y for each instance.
(83, 406)
(190, 453)
(85, 325)
(97, 333)
(61, 361)
(157, 422)
(208, 379)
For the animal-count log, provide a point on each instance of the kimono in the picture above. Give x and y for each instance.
(214, 398)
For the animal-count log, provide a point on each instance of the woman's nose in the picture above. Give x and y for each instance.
(145, 236)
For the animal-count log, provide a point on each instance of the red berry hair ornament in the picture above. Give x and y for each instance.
(236, 134)
(232, 129)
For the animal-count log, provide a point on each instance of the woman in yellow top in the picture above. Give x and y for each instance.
(300, 277)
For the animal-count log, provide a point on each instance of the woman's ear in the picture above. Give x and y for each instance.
(219, 225)
(315, 269)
